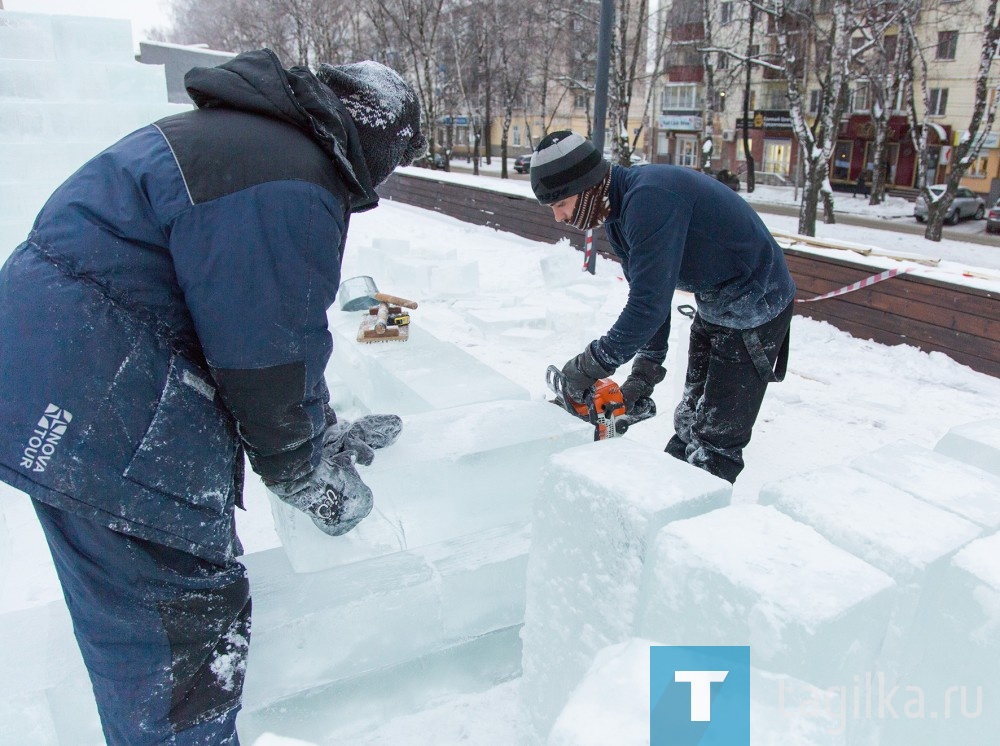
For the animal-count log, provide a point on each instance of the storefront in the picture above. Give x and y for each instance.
(772, 144)
(854, 151)
(678, 140)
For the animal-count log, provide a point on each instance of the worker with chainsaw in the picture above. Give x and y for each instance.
(674, 227)
(166, 315)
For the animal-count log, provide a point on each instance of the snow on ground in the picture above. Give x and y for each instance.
(843, 397)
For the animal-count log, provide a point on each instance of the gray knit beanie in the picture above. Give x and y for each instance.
(385, 112)
(564, 164)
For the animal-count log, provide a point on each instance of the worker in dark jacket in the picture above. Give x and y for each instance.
(166, 313)
(673, 227)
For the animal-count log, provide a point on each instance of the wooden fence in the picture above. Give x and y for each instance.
(960, 321)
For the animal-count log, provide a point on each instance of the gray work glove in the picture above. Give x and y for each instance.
(333, 494)
(640, 382)
(581, 373)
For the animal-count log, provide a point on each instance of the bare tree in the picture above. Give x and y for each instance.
(801, 27)
(410, 31)
(980, 122)
(881, 79)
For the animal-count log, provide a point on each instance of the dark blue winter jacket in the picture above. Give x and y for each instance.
(168, 309)
(677, 228)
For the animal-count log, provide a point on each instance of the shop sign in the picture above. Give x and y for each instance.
(688, 123)
(768, 119)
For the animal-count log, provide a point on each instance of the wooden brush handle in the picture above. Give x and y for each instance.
(396, 300)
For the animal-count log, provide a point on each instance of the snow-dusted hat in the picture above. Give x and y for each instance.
(385, 111)
(564, 164)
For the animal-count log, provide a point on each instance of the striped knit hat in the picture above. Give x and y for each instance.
(564, 164)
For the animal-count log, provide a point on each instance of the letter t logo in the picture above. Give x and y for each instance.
(701, 691)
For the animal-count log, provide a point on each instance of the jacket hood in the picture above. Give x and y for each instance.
(256, 82)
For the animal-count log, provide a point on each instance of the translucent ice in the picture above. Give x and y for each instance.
(611, 703)
(750, 575)
(952, 694)
(600, 506)
(315, 628)
(946, 481)
(892, 530)
(421, 374)
(451, 473)
(976, 443)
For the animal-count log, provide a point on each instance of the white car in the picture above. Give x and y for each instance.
(967, 204)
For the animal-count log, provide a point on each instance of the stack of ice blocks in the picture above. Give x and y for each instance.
(849, 584)
(69, 87)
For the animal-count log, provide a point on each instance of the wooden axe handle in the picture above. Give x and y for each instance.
(396, 300)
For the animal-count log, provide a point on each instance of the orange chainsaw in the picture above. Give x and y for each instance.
(603, 405)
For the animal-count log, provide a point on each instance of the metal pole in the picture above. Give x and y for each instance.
(600, 104)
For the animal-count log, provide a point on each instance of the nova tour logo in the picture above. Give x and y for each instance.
(46, 436)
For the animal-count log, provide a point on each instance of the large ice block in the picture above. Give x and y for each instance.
(944, 481)
(600, 506)
(315, 628)
(26, 36)
(975, 443)
(50, 80)
(611, 706)
(888, 528)
(611, 703)
(750, 575)
(451, 473)
(26, 718)
(421, 374)
(952, 694)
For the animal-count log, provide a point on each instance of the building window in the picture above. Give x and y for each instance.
(662, 144)
(859, 98)
(687, 152)
(777, 157)
(890, 42)
(516, 136)
(726, 12)
(937, 102)
(681, 96)
(722, 62)
(978, 168)
(947, 45)
(814, 99)
(842, 159)
(580, 101)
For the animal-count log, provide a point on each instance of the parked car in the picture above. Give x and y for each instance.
(522, 163)
(425, 161)
(993, 218)
(967, 204)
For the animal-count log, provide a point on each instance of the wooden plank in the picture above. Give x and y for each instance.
(904, 307)
(908, 287)
(864, 331)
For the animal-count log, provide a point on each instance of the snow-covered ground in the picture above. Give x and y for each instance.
(843, 398)
(502, 308)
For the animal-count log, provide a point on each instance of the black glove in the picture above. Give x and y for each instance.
(362, 436)
(640, 382)
(333, 494)
(581, 373)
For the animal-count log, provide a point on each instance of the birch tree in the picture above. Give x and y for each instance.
(981, 117)
(800, 28)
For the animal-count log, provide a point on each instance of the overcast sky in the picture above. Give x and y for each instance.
(144, 14)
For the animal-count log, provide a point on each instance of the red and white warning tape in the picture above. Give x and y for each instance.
(856, 286)
(588, 250)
